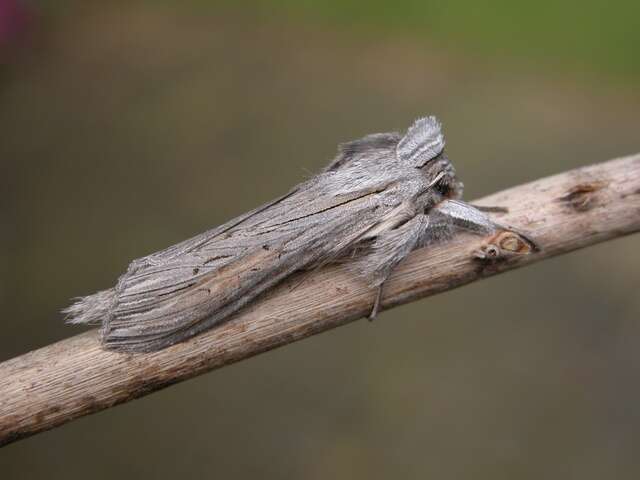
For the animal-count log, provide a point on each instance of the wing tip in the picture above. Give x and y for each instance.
(90, 310)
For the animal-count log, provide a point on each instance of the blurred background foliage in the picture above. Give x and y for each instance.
(590, 34)
(128, 126)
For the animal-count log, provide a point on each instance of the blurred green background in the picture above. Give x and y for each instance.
(128, 126)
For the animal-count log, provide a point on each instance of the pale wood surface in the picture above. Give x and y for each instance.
(75, 377)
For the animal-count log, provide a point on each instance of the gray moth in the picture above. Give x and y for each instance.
(381, 197)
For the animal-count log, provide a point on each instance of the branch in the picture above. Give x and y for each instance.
(75, 377)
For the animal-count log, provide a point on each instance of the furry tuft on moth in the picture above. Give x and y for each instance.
(381, 197)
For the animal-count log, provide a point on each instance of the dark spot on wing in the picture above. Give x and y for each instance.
(217, 257)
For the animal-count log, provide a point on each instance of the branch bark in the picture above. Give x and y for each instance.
(75, 377)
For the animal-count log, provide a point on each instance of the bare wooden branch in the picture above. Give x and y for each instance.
(75, 377)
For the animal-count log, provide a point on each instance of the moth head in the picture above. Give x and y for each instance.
(423, 147)
(442, 173)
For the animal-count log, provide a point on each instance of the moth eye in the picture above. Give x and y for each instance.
(443, 187)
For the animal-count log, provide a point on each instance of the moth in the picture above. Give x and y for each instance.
(381, 197)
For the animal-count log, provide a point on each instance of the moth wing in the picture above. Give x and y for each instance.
(177, 293)
(194, 243)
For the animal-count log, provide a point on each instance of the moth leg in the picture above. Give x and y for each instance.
(491, 208)
(376, 303)
(463, 215)
(385, 251)
(455, 213)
